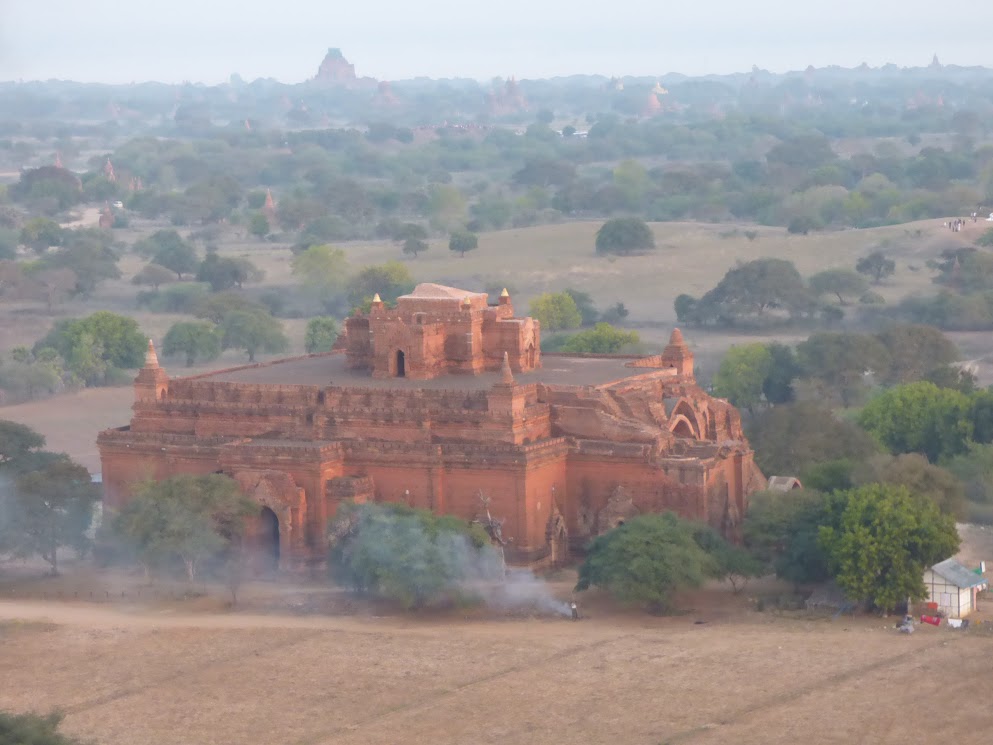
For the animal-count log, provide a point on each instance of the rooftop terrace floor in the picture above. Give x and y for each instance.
(332, 370)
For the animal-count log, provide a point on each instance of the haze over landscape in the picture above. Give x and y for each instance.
(113, 41)
(532, 372)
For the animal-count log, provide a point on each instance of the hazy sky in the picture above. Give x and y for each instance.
(207, 40)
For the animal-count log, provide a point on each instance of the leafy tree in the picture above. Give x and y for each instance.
(986, 239)
(778, 384)
(258, 225)
(41, 233)
(33, 729)
(749, 291)
(734, 564)
(17, 441)
(215, 307)
(601, 339)
(390, 280)
(802, 225)
(93, 346)
(321, 334)
(153, 275)
(55, 284)
(253, 332)
(842, 283)
(876, 265)
(323, 271)
(556, 311)
(545, 172)
(919, 418)
(585, 305)
(189, 517)
(48, 188)
(165, 241)
(224, 272)
(922, 479)
(646, 561)
(462, 241)
(781, 529)
(883, 540)
(742, 373)
(193, 339)
(790, 438)
(840, 361)
(624, 236)
(179, 257)
(414, 246)
(412, 556)
(915, 352)
(89, 254)
(49, 506)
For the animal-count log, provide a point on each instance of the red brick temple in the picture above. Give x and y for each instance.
(445, 402)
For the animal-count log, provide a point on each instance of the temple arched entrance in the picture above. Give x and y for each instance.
(530, 356)
(268, 540)
(401, 364)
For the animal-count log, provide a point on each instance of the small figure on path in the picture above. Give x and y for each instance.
(575, 611)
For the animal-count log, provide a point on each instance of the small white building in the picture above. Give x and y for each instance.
(953, 587)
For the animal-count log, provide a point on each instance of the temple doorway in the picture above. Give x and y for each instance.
(401, 364)
(268, 544)
(530, 357)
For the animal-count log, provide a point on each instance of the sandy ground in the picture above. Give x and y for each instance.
(161, 677)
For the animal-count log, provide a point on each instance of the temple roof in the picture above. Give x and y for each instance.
(431, 291)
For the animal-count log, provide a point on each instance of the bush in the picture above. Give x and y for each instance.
(408, 555)
(624, 236)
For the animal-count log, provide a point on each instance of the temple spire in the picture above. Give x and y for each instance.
(151, 358)
(506, 374)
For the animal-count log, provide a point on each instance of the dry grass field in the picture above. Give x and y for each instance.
(167, 676)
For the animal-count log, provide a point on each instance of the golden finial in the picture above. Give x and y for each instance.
(376, 298)
(504, 293)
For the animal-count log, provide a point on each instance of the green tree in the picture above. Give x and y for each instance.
(412, 556)
(97, 344)
(922, 479)
(153, 275)
(414, 246)
(778, 384)
(17, 441)
(876, 265)
(882, 541)
(646, 561)
(556, 311)
(189, 517)
(215, 307)
(587, 309)
(601, 339)
(844, 284)
(321, 334)
(49, 506)
(33, 729)
(254, 332)
(788, 439)
(258, 225)
(462, 241)
(389, 280)
(742, 373)
(981, 415)
(750, 291)
(179, 257)
(840, 362)
(224, 272)
(624, 236)
(915, 352)
(41, 233)
(194, 340)
(323, 270)
(781, 530)
(919, 418)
